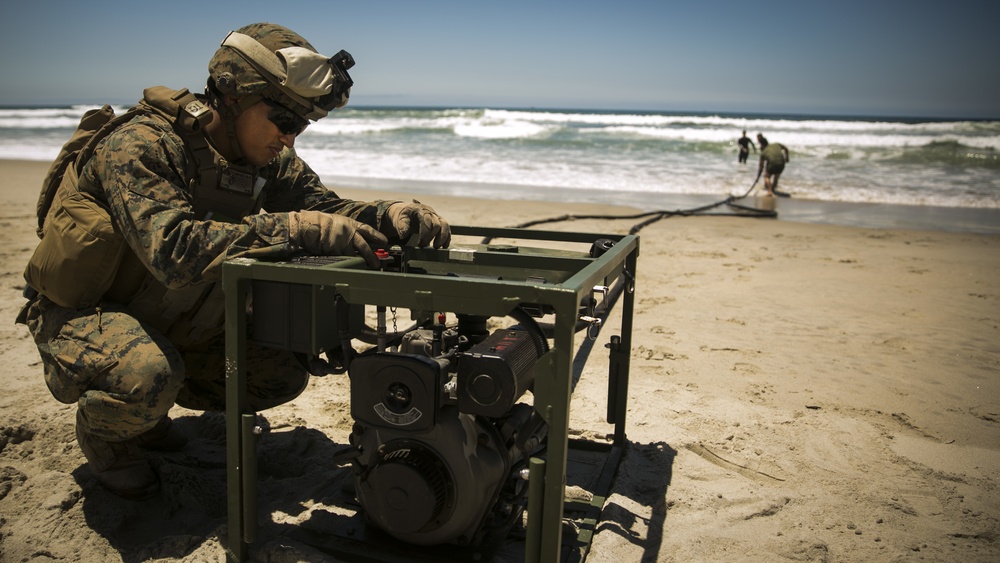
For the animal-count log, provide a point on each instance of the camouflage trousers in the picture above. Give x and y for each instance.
(125, 376)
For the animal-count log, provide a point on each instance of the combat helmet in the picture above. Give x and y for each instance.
(269, 61)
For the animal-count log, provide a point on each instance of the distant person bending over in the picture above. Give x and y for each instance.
(775, 155)
(762, 141)
(745, 144)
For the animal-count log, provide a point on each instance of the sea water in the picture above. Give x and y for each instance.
(640, 159)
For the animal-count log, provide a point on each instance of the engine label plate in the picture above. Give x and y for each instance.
(398, 419)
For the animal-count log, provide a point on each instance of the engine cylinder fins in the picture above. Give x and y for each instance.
(408, 490)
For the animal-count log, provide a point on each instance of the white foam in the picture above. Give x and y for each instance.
(602, 154)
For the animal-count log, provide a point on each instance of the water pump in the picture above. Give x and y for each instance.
(439, 438)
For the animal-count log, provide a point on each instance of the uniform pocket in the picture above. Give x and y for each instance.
(75, 358)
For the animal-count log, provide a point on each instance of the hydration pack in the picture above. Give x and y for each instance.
(95, 125)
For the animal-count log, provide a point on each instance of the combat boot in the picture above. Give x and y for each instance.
(118, 466)
(164, 437)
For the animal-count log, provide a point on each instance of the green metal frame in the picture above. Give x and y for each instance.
(571, 276)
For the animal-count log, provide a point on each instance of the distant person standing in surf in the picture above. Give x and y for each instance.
(745, 143)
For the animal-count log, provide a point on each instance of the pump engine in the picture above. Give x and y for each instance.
(439, 438)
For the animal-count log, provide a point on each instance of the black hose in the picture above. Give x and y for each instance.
(531, 326)
(754, 184)
(654, 216)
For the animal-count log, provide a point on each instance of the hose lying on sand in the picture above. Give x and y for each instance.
(651, 217)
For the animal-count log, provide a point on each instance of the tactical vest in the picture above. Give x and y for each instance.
(82, 255)
(220, 190)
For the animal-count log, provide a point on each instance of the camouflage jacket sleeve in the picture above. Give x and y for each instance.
(292, 185)
(140, 171)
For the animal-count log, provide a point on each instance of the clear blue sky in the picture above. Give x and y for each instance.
(868, 57)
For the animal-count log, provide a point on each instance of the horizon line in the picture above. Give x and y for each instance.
(578, 107)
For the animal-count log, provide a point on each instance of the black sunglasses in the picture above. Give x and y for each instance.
(287, 121)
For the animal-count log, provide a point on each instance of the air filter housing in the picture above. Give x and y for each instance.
(495, 373)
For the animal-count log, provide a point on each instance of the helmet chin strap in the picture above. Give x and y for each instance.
(229, 113)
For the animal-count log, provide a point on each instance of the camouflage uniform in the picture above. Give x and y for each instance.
(159, 341)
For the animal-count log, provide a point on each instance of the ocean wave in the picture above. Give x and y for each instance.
(604, 154)
(750, 124)
(823, 136)
(476, 126)
(46, 118)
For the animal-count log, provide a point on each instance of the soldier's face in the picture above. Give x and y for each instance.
(258, 136)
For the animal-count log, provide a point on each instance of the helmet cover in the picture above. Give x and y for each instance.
(274, 62)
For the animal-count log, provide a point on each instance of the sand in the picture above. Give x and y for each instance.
(799, 391)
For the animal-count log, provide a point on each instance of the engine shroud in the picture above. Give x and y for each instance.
(434, 487)
(396, 391)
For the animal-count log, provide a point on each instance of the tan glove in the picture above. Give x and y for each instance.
(408, 218)
(327, 233)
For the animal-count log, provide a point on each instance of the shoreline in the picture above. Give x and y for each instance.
(976, 220)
